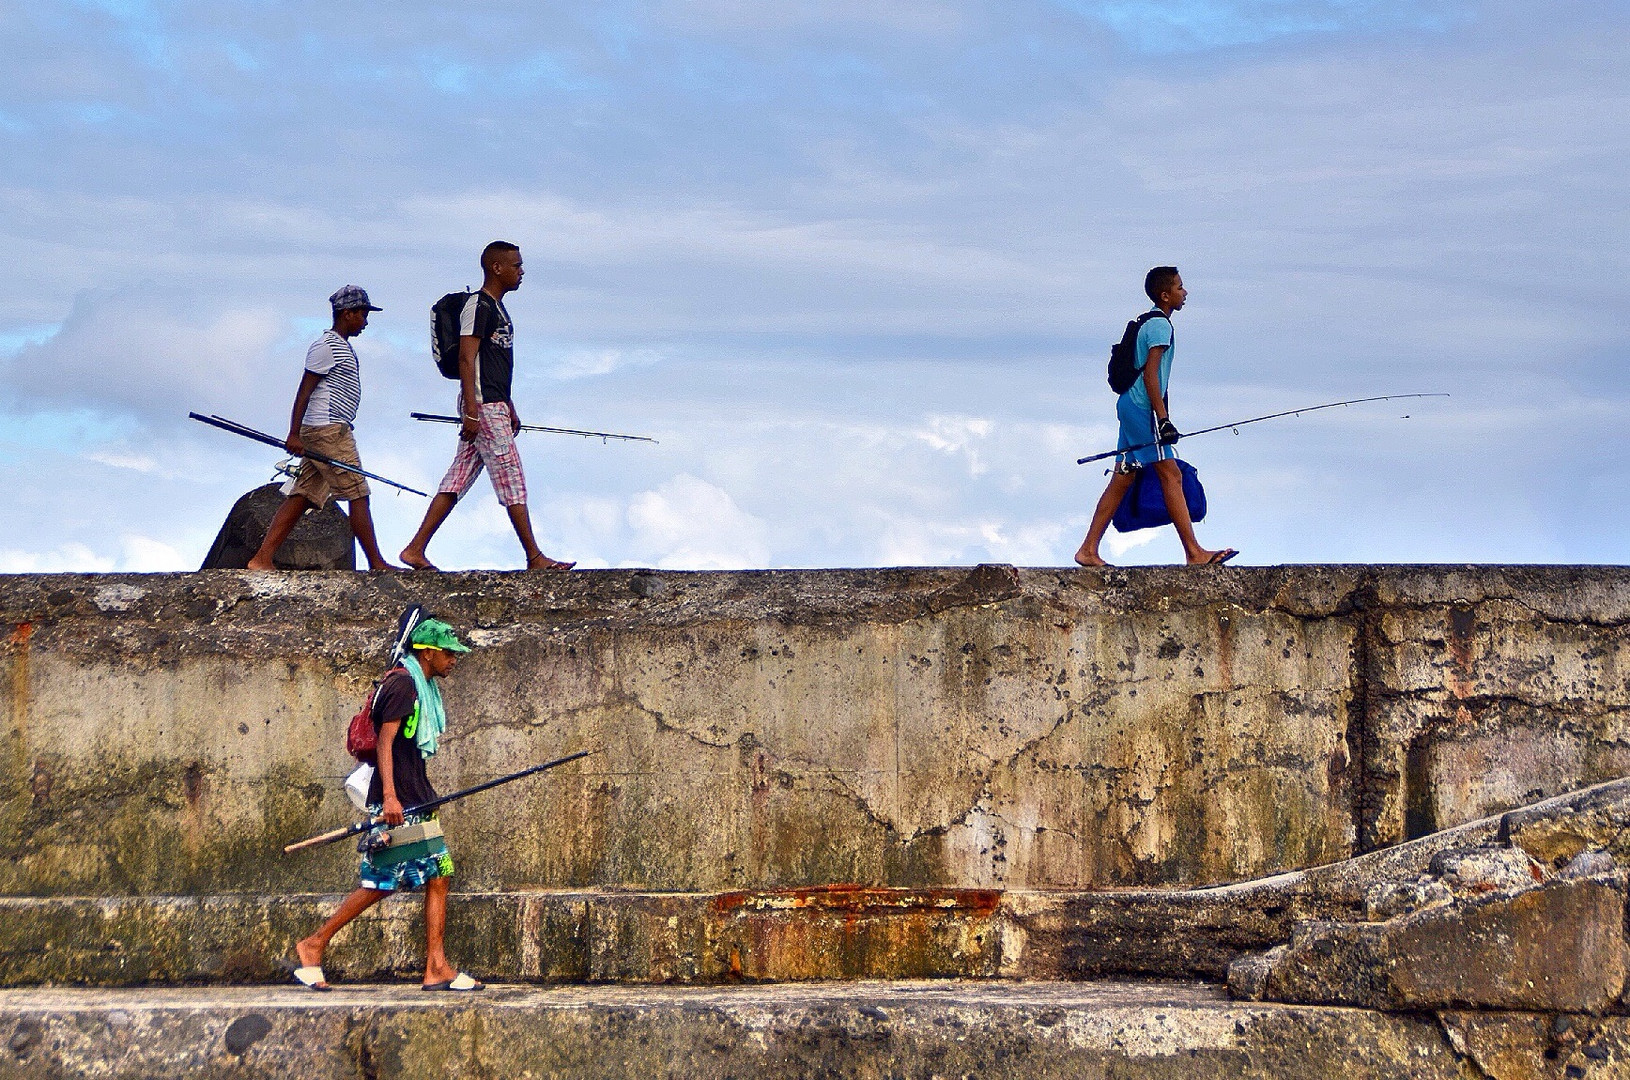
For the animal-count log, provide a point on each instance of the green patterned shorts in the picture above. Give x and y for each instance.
(407, 867)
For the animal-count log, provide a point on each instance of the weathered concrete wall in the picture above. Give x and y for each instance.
(985, 728)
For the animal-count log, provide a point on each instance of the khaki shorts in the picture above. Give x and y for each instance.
(318, 482)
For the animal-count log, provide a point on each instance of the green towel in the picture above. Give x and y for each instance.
(432, 715)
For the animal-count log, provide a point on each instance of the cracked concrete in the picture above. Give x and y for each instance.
(984, 728)
(943, 1029)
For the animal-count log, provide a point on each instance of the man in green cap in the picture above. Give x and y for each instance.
(408, 719)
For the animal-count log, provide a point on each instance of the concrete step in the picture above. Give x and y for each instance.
(826, 932)
(1016, 1031)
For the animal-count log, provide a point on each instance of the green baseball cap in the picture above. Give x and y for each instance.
(435, 634)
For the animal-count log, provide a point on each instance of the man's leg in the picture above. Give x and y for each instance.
(310, 950)
(436, 967)
(1171, 485)
(283, 523)
(362, 527)
(521, 518)
(1108, 503)
(503, 462)
(413, 555)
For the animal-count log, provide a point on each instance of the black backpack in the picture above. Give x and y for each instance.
(1123, 355)
(444, 317)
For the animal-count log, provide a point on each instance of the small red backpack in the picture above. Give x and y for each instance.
(361, 740)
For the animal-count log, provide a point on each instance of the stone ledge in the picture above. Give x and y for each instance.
(1016, 1031)
(826, 932)
(836, 932)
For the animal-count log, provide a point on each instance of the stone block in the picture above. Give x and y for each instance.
(320, 540)
(1557, 947)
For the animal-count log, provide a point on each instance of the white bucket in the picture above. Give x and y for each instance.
(356, 785)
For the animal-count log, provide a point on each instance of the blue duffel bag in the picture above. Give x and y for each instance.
(1144, 504)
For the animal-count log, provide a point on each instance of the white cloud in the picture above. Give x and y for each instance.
(66, 559)
(587, 363)
(118, 460)
(689, 524)
(138, 555)
(148, 351)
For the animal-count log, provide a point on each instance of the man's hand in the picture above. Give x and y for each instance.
(392, 810)
(1168, 431)
(293, 444)
(514, 420)
(468, 428)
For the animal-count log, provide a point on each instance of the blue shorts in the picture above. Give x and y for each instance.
(1139, 426)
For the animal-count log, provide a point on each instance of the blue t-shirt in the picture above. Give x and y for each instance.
(1155, 332)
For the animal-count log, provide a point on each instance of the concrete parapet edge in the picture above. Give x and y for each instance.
(1017, 1031)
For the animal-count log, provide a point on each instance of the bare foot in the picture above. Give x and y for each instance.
(544, 562)
(1211, 558)
(439, 973)
(415, 560)
(258, 563)
(1089, 558)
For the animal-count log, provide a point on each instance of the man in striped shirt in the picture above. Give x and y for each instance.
(325, 407)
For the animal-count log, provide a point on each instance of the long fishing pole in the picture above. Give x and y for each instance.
(1255, 420)
(601, 435)
(431, 804)
(271, 440)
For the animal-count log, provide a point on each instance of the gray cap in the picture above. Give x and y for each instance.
(351, 298)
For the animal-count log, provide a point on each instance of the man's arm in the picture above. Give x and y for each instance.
(1151, 381)
(1166, 431)
(392, 808)
(469, 348)
(302, 397)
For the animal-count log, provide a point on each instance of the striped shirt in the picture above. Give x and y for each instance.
(339, 392)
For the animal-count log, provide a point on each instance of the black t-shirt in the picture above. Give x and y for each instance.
(486, 318)
(395, 701)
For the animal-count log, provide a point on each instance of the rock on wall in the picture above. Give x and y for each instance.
(944, 727)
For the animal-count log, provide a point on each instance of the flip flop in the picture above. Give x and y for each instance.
(460, 983)
(1221, 557)
(550, 564)
(312, 978)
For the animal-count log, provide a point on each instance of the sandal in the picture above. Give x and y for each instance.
(460, 983)
(312, 978)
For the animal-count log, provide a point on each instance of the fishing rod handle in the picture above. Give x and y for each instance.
(327, 838)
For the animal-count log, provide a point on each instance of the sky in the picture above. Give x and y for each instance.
(856, 266)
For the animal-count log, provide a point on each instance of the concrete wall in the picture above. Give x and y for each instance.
(946, 727)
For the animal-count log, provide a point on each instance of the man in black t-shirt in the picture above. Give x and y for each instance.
(488, 421)
(407, 727)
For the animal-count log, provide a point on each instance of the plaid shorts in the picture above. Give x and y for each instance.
(493, 448)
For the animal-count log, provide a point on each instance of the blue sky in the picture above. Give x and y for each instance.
(857, 266)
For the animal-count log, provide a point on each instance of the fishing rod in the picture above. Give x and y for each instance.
(334, 835)
(271, 440)
(601, 435)
(1254, 420)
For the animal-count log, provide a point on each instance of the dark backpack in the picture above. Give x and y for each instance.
(1123, 355)
(444, 319)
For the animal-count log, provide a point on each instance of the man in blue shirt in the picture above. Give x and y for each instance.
(1145, 424)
